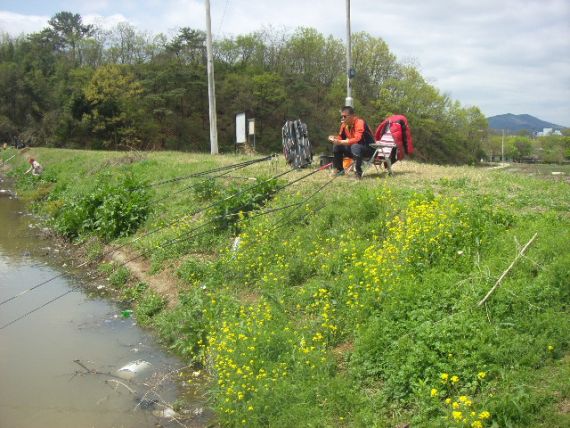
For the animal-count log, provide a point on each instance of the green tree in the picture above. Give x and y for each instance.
(189, 46)
(67, 30)
(374, 64)
(241, 52)
(113, 93)
(523, 147)
(127, 45)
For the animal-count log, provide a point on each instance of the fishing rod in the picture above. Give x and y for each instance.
(218, 169)
(212, 205)
(111, 251)
(10, 158)
(245, 164)
(168, 243)
(185, 236)
(171, 242)
(288, 219)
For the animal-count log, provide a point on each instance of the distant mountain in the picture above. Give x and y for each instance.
(517, 122)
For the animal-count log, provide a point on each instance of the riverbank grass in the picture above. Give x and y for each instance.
(358, 305)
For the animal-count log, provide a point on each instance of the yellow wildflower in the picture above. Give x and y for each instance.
(484, 415)
(457, 415)
(477, 424)
(434, 392)
(444, 377)
(454, 379)
(481, 375)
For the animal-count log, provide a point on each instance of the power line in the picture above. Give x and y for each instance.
(223, 16)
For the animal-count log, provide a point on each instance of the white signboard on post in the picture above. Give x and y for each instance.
(241, 137)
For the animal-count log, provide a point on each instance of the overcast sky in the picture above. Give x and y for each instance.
(504, 56)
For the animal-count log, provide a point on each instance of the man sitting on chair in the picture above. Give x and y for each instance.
(353, 141)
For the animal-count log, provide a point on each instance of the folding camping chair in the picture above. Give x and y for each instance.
(385, 153)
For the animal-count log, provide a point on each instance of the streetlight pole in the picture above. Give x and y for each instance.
(349, 72)
(211, 84)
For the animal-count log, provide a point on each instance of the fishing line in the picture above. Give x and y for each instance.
(37, 309)
(210, 171)
(203, 181)
(168, 243)
(155, 231)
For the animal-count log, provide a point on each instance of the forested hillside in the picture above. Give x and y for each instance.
(75, 85)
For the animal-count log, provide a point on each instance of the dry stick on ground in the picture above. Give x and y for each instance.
(161, 401)
(92, 371)
(155, 387)
(520, 254)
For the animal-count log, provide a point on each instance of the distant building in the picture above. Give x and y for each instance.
(548, 131)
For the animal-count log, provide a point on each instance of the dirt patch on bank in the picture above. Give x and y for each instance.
(164, 283)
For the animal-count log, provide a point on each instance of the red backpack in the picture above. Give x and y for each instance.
(398, 126)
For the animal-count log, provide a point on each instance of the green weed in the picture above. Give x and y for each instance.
(207, 189)
(148, 306)
(119, 277)
(110, 209)
(236, 201)
(133, 292)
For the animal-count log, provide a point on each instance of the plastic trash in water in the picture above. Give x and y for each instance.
(166, 413)
(126, 313)
(133, 369)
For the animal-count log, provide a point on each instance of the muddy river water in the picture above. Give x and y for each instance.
(60, 365)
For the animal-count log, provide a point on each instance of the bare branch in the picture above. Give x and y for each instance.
(498, 283)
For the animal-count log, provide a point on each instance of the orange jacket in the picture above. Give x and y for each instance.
(354, 133)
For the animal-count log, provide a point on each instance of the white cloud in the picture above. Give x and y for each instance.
(105, 22)
(16, 24)
(497, 54)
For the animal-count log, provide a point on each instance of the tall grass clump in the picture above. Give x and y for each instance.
(110, 208)
(236, 200)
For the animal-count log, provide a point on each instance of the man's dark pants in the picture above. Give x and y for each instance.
(354, 151)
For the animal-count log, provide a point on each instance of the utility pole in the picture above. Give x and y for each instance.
(349, 71)
(211, 84)
(503, 148)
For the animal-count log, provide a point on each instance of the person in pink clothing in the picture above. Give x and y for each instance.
(35, 168)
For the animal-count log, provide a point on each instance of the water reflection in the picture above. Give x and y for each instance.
(58, 365)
